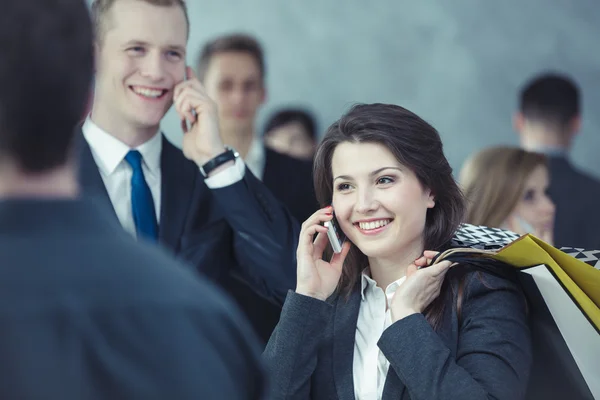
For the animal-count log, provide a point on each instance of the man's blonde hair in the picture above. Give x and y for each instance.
(101, 8)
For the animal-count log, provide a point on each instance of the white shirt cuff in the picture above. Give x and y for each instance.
(228, 176)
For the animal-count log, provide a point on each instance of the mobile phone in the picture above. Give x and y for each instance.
(335, 235)
(185, 78)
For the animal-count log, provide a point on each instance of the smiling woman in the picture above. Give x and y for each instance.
(384, 161)
(378, 321)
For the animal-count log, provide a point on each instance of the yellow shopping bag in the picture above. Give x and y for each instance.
(563, 291)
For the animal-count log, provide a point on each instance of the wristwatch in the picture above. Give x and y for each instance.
(228, 155)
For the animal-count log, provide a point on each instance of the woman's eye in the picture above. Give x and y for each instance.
(529, 195)
(343, 186)
(385, 180)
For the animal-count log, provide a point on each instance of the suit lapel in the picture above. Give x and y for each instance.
(89, 175)
(344, 332)
(178, 183)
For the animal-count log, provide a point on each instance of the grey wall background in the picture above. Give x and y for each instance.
(456, 63)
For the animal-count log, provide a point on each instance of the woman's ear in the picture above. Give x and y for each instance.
(430, 199)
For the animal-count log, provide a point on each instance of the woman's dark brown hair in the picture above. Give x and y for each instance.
(416, 145)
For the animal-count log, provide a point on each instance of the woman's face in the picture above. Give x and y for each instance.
(379, 203)
(535, 207)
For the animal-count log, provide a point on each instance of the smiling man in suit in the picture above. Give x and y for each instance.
(86, 311)
(201, 204)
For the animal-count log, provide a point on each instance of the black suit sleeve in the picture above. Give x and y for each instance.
(493, 355)
(265, 236)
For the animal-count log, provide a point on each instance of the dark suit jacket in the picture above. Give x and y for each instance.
(576, 196)
(86, 312)
(290, 180)
(484, 354)
(240, 229)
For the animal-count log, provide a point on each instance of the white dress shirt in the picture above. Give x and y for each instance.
(370, 367)
(256, 158)
(109, 154)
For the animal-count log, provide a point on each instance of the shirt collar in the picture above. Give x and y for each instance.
(255, 159)
(109, 151)
(368, 283)
(550, 151)
(365, 281)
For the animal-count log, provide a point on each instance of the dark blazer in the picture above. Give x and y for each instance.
(484, 354)
(576, 196)
(291, 181)
(241, 229)
(86, 312)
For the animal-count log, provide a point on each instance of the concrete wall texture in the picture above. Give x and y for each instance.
(458, 64)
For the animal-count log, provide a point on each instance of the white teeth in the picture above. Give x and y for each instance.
(153, 93)
(373, 224)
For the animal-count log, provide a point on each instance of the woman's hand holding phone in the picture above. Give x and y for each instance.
(315, 277)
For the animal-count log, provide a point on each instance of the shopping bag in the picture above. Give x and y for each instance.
(562, 287)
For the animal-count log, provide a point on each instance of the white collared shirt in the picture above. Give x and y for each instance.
(109, 154)
(370, 367)
(255, 159)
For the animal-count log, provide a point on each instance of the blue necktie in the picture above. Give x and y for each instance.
(142, 204)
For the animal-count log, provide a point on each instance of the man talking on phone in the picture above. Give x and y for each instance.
(202, 204)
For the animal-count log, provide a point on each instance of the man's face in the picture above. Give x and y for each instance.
(234, 81)
(140, 59)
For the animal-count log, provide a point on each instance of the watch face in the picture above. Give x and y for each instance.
(235, 153)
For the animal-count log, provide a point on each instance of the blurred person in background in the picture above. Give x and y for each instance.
(507, 187)
(232, 69)
(548, 121)
(292, 131)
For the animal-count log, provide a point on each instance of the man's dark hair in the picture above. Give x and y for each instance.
(236, 43)
(552, 99)
(289, 115)
(46, 66)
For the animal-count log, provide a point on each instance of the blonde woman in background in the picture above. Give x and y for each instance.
(506, 187)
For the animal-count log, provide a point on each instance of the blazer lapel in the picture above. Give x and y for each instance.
(89, 175)
(178, 200)
(344, 332)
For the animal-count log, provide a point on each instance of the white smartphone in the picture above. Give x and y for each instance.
(186, 77)
(335, 235)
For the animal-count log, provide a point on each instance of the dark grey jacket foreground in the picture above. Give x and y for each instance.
(484, 354)
(86, 312)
